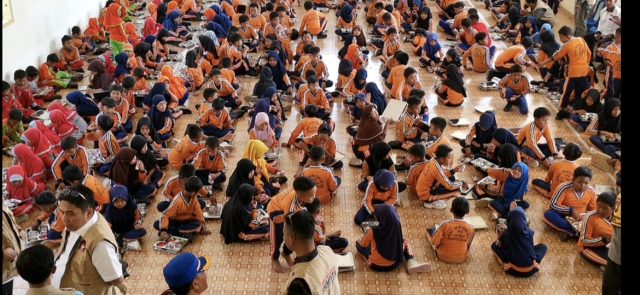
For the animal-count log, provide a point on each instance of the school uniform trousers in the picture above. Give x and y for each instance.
(540, 250)
(543, 148)
(277, 237)
(178, 228)
(558, 221)
(607, 148)
(407, 252)
(217, 181)
(210, 130)
(520, 101)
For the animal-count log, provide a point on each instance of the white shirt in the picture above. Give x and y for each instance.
(606, 26)
(104, 258)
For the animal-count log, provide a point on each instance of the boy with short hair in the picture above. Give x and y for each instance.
(78, 41)
(479, 54)
(324, 179)
(217, 122)
(334, 240)
(176, 184)
(313, 21)
(229, 74)
(48, 77)
(36, 265)
(406, 84)
(225, 89)
(324, 140)
(122, 107)
(315, 96)
(256, 20)
(48, 205)
(12, 129)
(9, 102)
(73, 178)
(210, 164)
(560, 171)
(530, 135)
(186, 149)
(141, 82)
(128, 83)
(436, 130)
(108, 109)
(308, 126)
(184, 215)
(72, 154)
(237, 52)
(70, 56)
(418, 162)
(108, 144)
(410, 126)
(513, 88)
(23, 93)
(466, 36)
(437, 183)
(319, 67)
(209, 95)
(452, 239)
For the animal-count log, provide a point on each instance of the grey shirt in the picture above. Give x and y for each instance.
(616, 245)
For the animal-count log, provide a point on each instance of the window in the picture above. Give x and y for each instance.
(7, 13)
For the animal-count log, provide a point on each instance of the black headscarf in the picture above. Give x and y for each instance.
(606, 122)
(146, 121)
(388, 235)
(507, 155)
(378, 158)
(549, 44)
(121, 220)
(240, 176)
(161, 13)
(190, 59)
(138, 142)
(345, 67)
(504, 136)
(265, 82)
(455, 57)
(236, 214)
(208, 45)
(423, 23)
(454, 80)
(348, 39)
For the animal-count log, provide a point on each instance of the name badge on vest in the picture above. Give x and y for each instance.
(83, 246)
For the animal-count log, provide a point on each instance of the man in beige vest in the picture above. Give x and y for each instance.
(315, 270)
(11, 246)
(87, 259)
(36, 265)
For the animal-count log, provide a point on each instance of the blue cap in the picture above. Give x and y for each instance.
(184, 268)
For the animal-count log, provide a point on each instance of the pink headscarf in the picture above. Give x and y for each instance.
(68, 113)
(61, 125)
(151, 27)
(267, 135)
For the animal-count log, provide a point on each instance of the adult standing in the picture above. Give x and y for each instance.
(612, 279)
(581, 15)
(11, 247)
(87, 259)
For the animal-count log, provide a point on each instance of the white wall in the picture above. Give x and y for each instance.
(38, 27)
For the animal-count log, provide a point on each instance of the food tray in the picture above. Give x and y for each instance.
(483, 164)
(260, 217)
(35, 236)
(172, 246)
(213, 212)
(577, 225)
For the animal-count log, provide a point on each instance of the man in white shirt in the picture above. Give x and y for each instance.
(87, 259)
(609, 20)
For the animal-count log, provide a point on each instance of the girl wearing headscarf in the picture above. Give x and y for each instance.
(71, 116)
(549, 46)
(114, 24)
(238, 216)
(514, 248)
(161, 13)
(127, 170)
(132, 34)
(150, 27)
(357, 84)
(262, 131)
(508, 155)
(384, 246)
(210, 48)
(160, 88)
(143, 55)
(223, 20)
(32, 166)
(451, 58)
(219, 31)
(85, 107)
(432, 53)
(377, 160)
(511, 185)
(265, 81)
(481, 134)
(21, 187)
(501, 137)
(101, 79)
(176, 85)
(244, 173)
(371, 130)
(172, 24)
(604, 131)
(354, 55)
(254, 152)
(346, 72)
(278, 71)
(94, 32)
(381, 188)
(375, 96)
(62, 127)
(452, 92)
(346, 21)
(360, 38)
(527, 28)
(154, 175)
(52, 137)
(148, 132)
(123, 216)
(161, 118)
(536, 38)
(589, 103)
(121, 69)
(40, 145)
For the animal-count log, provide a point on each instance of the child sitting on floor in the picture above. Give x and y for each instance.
(418, 162)
(123, 216)
(176, 184)
(217, 122)
(410, 127)
(308, 126)
(382, 189)
(334, 240)
(560, 171)
(452, 239)
(185, 151)
(71, 60)
(108, 144)
(597, 231)
(324, 179)
(480, 136)
(531, 134)
(184, 215)
(48, 204)
(210, 164)
(437, 183)
(324, 140)
(12, 129)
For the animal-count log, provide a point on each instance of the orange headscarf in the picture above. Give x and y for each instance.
(94, 27)
(114, 12)
(352, 56)
(210, 14)
(177, 86)
(153, 9)
(173, 5)
(130, 29)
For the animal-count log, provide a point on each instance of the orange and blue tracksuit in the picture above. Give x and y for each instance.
(564, 202)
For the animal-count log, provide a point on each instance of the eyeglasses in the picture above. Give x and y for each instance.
(72, 193)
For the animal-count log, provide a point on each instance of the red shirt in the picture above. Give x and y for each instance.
(480, 27)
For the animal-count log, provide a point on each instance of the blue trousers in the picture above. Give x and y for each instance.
(609, 149)
(576, 118)
(337, 244)
(105, 168)
(558, 220)
(278, 132)
(141, 192)
(176, 228)
(540, 250)
(614, 88)
(541, 184)
(520, 101)
(446, 27)
(128, 126)
(215, 131)
(529, 152)
(578, 84)
(502, 206)
(134, 234)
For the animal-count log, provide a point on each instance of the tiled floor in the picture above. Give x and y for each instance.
(245, 268)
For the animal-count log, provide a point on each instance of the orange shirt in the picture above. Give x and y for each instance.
(141, 84)
(579, 55)
(188, 5)
(530, 135)
(565, 199)
(419, 41)
(520, 87)
(446, 3)
(109, 146)
(452, 239)
(405, 129)
(453, 96)
(45, 74)
(406, 88)
(204, 162)
(300, 50)
(308, 127)
(228, 9)
(304, 59)
(325, 182)
(319, 100)
(221, 121)
(229, 75)
(390, 48)
(181, 210)
(320, 69)
(457, 20)
(196, 75)
(174, 187)
(480, 58)
(396, 74)
(413, 175)
(224, 89)
(514, 53)
(284, 202)
(561, 171)
(100, 193)
(329, 145)
(122, 108)
(342, 24)
(594, 228)
(343, 80)
(69, 55)
(613, 54)
(372, 194)
(184, 152)
(249, 34)
(258, 22)
(311, 21)
(375, 258)
(80, 159)
(116, 33)
(431, 177)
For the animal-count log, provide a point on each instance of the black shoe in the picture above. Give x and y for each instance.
(322, 35)
(402, 167)
(186, 111)
(189, 237)
(507, 108)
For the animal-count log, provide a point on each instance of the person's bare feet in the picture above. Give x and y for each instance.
(277, 267)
